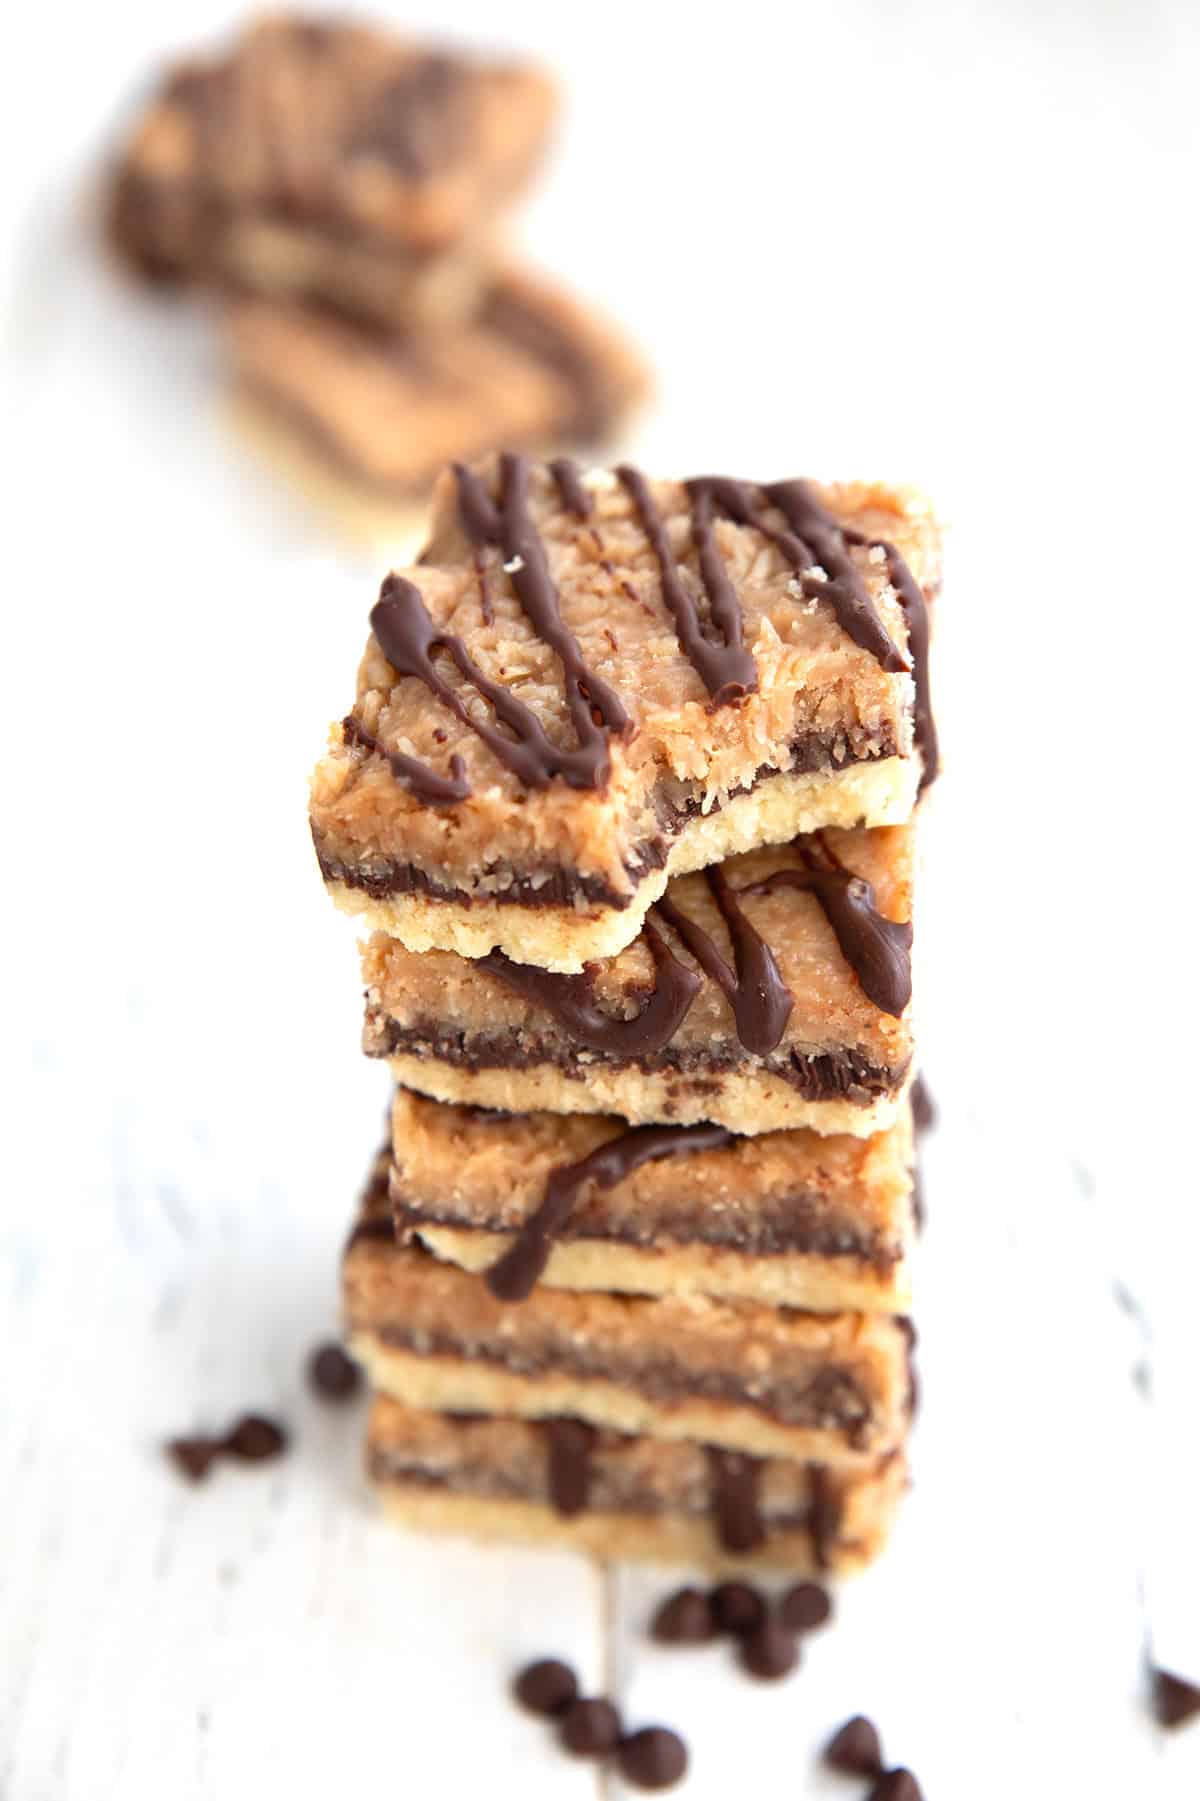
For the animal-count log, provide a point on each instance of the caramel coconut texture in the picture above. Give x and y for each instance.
(426, 829)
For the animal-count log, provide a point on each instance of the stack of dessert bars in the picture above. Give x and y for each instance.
(627, 797)
(344, 191)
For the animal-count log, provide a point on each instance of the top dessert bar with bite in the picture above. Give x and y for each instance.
(590, 683)
(326, 158)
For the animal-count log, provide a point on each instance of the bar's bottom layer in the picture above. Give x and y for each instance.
(564, 937)
(614, 1496)
(748, 1102)
(820, 1284)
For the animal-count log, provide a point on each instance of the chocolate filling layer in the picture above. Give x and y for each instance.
(839, 1074)
(792, 1225)
(825, 1399)
(813, 753)
(610, 1493)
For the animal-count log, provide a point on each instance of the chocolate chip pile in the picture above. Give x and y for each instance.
(767, 1635)
(653, 1757)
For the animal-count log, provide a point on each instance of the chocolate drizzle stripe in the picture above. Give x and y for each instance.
(594, 707)
(762, 1002)
(424, 783)
(570, 1000)
(736, 1510)
(514, 1275)
(569, 1445)
(916, 617)
(825, 1516)
(723, 664)
(878, 950)
(535, 330)
(571, 491)
(822, 541)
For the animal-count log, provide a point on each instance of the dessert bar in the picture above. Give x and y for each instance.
(563, 1482)
(768, 992)
(785, 1219)
(590, 683)
(382, 411)
(329, 161)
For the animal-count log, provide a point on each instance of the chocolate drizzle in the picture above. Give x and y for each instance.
(818, 538)
(571, 491)
(761, 1001)
(595, 709)
(513, 1276)
(569, 1000)
(916, 617)
(824, 1516)
(877, 949)
(722, 662)
(425, 784)
(569, 1445)
(736, 1511)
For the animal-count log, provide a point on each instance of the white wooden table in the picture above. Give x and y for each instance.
(953, 246)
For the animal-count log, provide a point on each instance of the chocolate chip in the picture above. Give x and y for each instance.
(897, 1785)
(255, 1439)
(855, 1748)
(655, 1757)
(805, 1607)
(737, 1607)
(684, 1618)
(769, 1652)
(590, 1728)
(193, 1457)
(1176, 1701)
(547, 1687)
(332, 1375)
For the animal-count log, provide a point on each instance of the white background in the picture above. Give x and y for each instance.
(950, 243)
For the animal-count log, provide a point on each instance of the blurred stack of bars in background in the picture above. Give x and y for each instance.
(342, 196)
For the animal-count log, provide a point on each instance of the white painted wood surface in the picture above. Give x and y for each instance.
(954, 243)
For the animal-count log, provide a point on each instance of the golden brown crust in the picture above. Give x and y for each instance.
(683, 760)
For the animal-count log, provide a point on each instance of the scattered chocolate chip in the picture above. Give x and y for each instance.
(896, 1785)
(590, 1728)
(684, 1618)
(655, 1757)
(769, 1652)
(193, 1457)
(855, 1748)
(737, 1608)
(1176, 1701)
(924, 1109)
(254, 1439)
(805, 1607)
(332, 1375)
(547, 1687)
